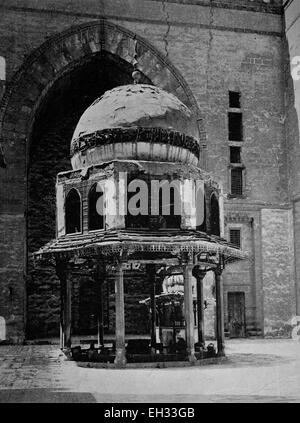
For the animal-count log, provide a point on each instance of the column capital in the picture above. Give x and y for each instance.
(187, 258)
(218, 271)
(98, 270)
(62, 267)
(121, 258)
(199, 273)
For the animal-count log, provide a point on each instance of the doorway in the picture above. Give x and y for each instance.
(236, 315)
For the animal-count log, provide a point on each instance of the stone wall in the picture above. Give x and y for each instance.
(296, 215)
(12, 291)
(216, 46)
(240, 277)
(292, 21)
(278, 271)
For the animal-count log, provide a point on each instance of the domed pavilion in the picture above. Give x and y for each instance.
(135, 195)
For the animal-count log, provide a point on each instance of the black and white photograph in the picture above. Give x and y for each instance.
(149, 204)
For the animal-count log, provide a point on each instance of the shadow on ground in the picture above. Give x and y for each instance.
(181, 399)
(44, 396)
(256, 360)
(237, 360)
(52, 396)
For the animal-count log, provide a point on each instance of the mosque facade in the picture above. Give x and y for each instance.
(233, 66)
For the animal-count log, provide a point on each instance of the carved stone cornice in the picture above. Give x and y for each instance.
(134, 135)
(238, 218)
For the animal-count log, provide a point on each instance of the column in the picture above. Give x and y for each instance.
(219, 313)
(63, 273)
(100, 317)
(152, 275)
(200, 275)
(68, 312)
(99, 279)
(62, 314)
(120, 359)
(188, 310)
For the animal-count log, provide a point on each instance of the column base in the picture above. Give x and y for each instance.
(120, 360)
(191, 356)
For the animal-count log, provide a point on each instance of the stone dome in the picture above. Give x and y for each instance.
(135, 122)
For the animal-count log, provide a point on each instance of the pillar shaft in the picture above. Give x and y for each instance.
(62, 314)
(100, 317)
(63, 273)
(99, 280)
(68, 312)
(151, 272)
(200, 309)
(189, 311)
(120, 359)
(219, 314)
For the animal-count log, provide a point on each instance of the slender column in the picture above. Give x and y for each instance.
(107, 305)
(151, 272)
(219, 313)
(188, 310)
(100, 317)
(62, 271)
(68, 312)
(120, 359)
(200, 275)
(62, 313)
(100, 275)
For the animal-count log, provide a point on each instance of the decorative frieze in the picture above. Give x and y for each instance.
(134, 135)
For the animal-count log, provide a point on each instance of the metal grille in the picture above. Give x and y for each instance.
(234, 99)
(235, 126)
(235, 155)
(237, 181)
(235, 237)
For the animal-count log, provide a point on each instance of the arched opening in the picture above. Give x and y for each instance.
(54, 100)
(49, 154)
(203, 226)
(73, 212)
(2, 329)
(55, 122)
(138, 204)
(168, 214)
(169, 208)
(214, 216)
(95, 209)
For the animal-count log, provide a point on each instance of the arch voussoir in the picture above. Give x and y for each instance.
(42, 71)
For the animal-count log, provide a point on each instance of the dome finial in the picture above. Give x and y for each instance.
(136, 74)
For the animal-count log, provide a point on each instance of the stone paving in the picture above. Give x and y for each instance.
(256, 371)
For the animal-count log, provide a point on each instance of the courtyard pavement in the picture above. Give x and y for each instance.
(257, 370)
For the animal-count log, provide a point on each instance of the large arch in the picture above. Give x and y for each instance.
(37, 84)
(58, 56)
(49, 61)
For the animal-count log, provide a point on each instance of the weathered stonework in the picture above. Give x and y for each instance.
(12, 283)
(292, 22)
(277, 271)
(196, 49)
